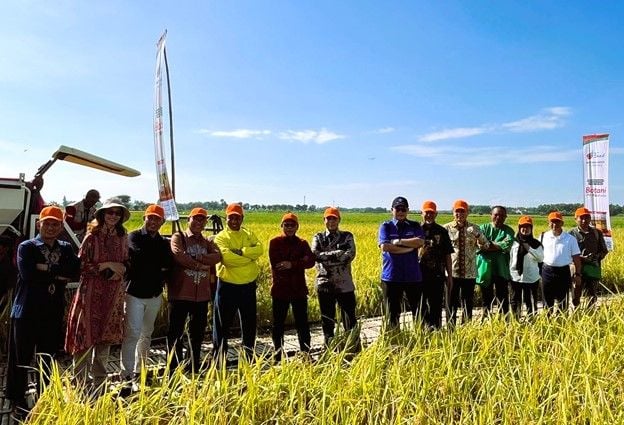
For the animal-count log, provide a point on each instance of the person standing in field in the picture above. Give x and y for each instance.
(290, 256)
(150, 262)
(524, 258)
(45, 264)
(236, 288)
(399, 240)
(593, 250)
(97, 312)
(560, 250)
(334, 250)
(189, 290)
(493, 262)
(79, 214)
(465, 237)
(436, 264)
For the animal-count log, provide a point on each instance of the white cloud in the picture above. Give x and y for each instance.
(385, 130)
(474, 157)
(315, 136)
(548, 119)
(453, 133)
(242, 133)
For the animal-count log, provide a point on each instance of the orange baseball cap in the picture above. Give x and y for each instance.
(234, 209)
(460, 204)
(331, 212)
(581, 212)
(290, 217)
(524, 220)
(429, 206)
(156, 210)
(51, 213)
(555, 216)
(198, 211)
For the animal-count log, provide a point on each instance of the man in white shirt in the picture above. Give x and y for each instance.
(560, 250)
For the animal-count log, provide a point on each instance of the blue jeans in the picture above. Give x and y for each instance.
(229, 299)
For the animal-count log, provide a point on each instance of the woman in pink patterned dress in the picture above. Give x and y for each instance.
(97, 310)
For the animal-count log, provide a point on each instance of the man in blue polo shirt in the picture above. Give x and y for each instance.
(399, 240)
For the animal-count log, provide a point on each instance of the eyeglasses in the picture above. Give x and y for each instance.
(400, 209)
(114, 212)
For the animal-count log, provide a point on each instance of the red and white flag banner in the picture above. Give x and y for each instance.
(596, 182)
(165, 194)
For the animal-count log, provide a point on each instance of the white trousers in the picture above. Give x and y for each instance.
(140, 317)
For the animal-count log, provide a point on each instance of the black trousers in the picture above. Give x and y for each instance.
(556, 282)
(527, 292)
(197, 313)
(232, 298)
(327, 305)
(30, 336)
(393, 300)
(434, 297)
(500, 286)
(300, 313)
(462, 295)
(590, 287)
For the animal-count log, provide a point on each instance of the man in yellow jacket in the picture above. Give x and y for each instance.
(236, 289)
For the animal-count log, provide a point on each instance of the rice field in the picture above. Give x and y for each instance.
(553, 370)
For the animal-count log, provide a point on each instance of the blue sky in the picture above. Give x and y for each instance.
(348, 103)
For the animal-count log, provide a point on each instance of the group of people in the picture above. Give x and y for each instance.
(121, 280)
(122, 277)
(427, 263)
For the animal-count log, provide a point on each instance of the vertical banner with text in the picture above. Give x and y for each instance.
(165, 194)
(596, 182)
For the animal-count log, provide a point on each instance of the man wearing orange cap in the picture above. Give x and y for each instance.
(593, 249)
(524, 258)
(290, 256)
(493, 261)
(560, 250)
(399, 240)
(335, 250)
(465, 237)
(189, 289)
(436, 264)
(45, 265)
(150, 262)
(236, 289)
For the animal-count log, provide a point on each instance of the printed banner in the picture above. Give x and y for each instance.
(165, 194)
(596, 182)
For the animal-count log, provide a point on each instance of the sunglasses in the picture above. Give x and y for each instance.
(114, 212)
(400, 209)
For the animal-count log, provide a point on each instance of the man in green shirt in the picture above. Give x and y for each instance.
(493, 261)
